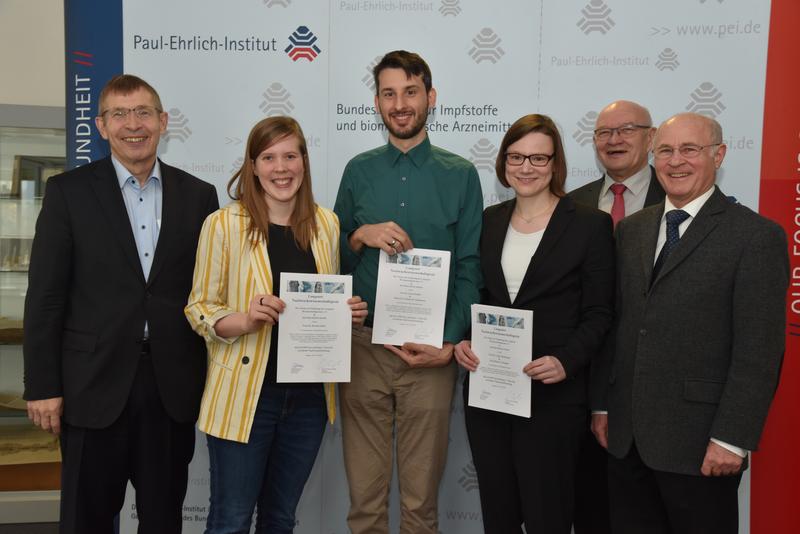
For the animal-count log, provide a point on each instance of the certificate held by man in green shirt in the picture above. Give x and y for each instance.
(411, 298)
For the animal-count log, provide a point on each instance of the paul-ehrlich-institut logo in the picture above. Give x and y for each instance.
(449, 7)
(667, 60)
(706, 100)
(177, 126)
(469, 477)
(596, 17)
(276, 101)
(584, 129)
(483, 154)
(369, 78)
(302, 45)
(486, 47)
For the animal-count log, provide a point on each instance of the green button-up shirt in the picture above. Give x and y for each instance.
(435, 196)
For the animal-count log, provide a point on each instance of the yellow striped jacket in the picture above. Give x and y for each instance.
(228, 273)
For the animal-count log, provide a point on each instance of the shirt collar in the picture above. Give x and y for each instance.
(123, 174)
(418, 155)
(637, 183)
(693, 207)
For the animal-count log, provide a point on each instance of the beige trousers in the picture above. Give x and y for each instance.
(386, 397)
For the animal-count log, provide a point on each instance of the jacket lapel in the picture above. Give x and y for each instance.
(321, 245)
(559, 221)
(594, 190)
(649, 239)
(494, 236)
(655, 193)
(700, 227)
(106, 187)
(259, 261)
(170, 215)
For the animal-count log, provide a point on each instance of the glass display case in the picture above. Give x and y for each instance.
(29, 457)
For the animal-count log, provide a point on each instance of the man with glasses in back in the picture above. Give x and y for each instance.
(110, 362)
(697, 346)
(622, 136)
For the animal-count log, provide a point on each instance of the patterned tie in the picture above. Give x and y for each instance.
(618, 207)
(674, 219)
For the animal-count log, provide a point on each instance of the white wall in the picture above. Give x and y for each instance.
(32, 52)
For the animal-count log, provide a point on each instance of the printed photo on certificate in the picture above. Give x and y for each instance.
(411, 298)
(502, 338)
(314, 328)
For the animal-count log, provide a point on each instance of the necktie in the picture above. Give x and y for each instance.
(618, 207)
(674, 219)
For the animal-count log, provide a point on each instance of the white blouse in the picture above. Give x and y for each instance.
(518, 249)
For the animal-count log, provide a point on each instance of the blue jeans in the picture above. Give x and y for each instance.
(270, 470)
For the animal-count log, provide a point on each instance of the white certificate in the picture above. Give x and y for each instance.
(411, 299)
(502, 338)
(314, 328)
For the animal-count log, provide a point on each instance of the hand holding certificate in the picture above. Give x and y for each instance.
(315, 327)
(411, 300)
(502, 338)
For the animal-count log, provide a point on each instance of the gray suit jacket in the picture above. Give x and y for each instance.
(697, 354)
(589, 194)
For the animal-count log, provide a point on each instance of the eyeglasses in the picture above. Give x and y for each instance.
(537, 160)
(687, 151)
(142, 113)
(625, 131)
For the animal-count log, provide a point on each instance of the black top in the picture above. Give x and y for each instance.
(284, 256)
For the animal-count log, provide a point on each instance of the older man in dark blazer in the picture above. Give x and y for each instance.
(110, 362)
(701, 289)
(622, 137)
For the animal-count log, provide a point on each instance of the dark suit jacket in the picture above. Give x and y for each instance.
(569, 285)
(589, 194)
(697, 354)
(88, 301)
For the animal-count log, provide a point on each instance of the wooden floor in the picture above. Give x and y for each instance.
(30, 528)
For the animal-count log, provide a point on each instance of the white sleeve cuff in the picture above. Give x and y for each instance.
(738, 451)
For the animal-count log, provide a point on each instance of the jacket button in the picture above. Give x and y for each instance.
(202, 317)
(643, 332)
(245, 360)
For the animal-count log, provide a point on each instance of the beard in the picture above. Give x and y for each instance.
(409, 131)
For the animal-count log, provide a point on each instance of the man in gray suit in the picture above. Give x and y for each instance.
(622, 136)
(699, 339)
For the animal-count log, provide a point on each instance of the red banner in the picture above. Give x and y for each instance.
(775, 477)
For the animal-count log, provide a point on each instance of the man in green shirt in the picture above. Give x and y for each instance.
(404, 194)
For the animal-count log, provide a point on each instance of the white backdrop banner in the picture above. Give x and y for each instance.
(222, 66)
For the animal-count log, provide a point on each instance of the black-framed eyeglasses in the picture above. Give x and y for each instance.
(626, 131)
(141, 112)
(537, 160)
(687, 151)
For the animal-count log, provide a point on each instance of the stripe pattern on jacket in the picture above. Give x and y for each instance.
(228, 273)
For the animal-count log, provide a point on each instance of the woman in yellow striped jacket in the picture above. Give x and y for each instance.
(263, 436)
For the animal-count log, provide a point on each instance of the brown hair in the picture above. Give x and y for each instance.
(535, 123)
(125, 84)
(411, 63)
(245, 187)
